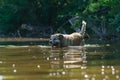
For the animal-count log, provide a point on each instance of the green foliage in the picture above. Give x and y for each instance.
(13, 13)
(77, 23)
(115, 22)
(93, 7)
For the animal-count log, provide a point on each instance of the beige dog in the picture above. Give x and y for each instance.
(63, 40)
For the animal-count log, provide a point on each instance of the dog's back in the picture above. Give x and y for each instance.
(73, 39)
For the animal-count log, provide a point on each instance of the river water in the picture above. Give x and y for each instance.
(38, 62)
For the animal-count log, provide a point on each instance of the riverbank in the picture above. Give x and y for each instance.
(23, 39)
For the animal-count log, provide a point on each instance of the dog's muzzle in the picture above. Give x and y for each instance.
(53, 43)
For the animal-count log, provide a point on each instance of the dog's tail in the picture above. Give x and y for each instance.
(83, 28)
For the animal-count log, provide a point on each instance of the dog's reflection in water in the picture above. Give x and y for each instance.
(70, 57)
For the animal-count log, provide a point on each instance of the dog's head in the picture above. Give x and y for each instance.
(56, 40)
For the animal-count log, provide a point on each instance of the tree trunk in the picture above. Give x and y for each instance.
(100, 32)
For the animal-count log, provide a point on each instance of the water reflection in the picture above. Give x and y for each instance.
(67, 58)
(1, 77)
(93, 62)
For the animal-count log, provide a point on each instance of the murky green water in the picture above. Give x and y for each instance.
(92, 62)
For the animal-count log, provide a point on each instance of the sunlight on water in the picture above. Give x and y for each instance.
(91, 62)
(1, 77)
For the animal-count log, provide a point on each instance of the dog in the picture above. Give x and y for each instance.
(64, 40)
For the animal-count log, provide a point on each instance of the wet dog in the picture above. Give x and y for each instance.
(64, 40)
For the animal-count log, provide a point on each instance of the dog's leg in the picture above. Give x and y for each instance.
(82, 43)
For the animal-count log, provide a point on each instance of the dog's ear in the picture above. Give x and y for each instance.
(60, 36)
